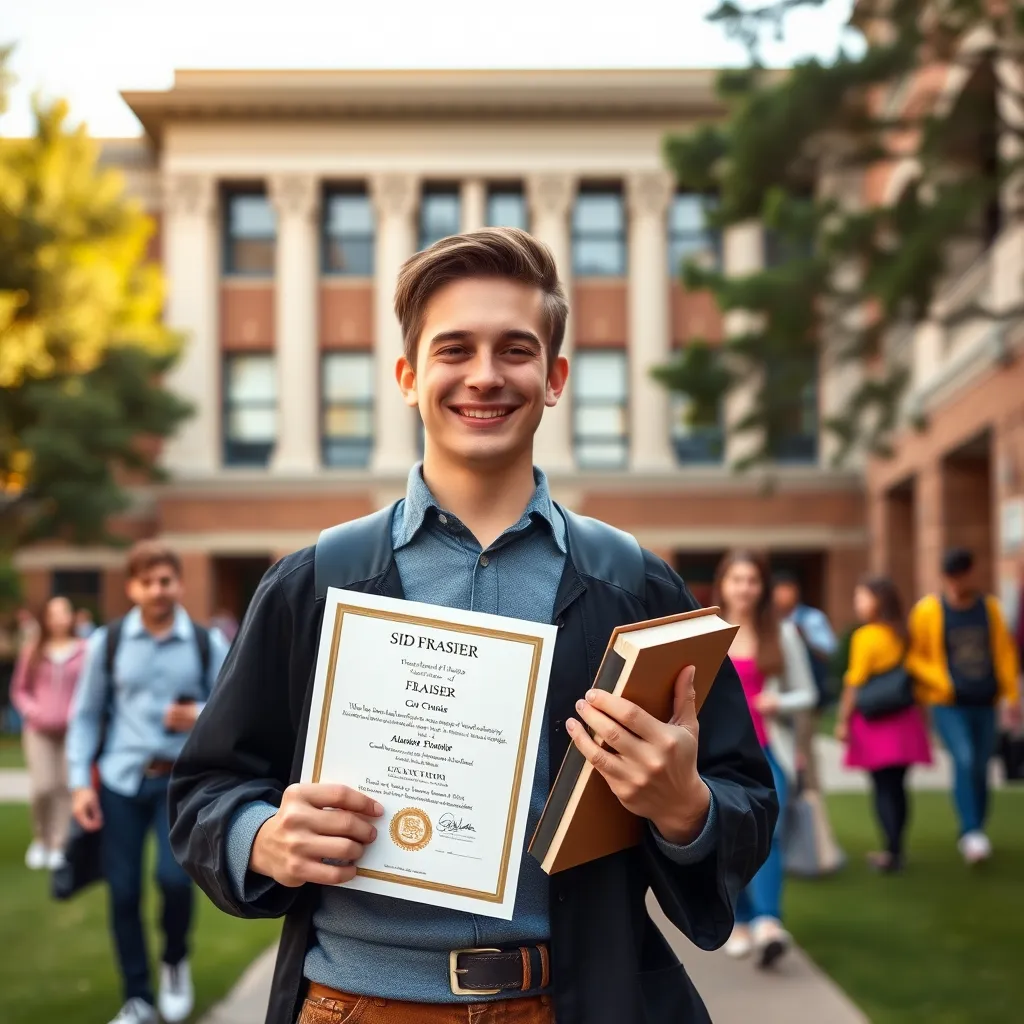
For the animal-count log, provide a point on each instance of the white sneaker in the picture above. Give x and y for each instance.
(35, 856)
(974, 847)
(136, 1011)
(55, 859)
(771, 941)
(739, 944)
(177, 996)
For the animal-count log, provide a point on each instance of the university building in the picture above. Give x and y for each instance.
(956, 476)
(285, 203)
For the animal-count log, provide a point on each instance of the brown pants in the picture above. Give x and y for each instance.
(48, 787)
(348, 1009)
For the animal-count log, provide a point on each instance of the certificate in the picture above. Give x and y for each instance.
(436, 713)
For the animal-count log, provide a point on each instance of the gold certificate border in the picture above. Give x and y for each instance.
(531, 692)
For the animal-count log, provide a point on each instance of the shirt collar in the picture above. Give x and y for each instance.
(419, 502)
(133, 625)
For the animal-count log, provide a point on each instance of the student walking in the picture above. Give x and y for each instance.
(146, 679)
(774, 669)
(482, 317)
(42, 689)
(888, 746)
(964, 662)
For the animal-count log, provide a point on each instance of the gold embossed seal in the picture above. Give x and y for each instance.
(411, 829)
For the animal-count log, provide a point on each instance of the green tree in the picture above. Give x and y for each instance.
(82, 345)
(792, 153)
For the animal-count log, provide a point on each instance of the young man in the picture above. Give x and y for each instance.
(964, 662)
(483, 317)
(144, 683)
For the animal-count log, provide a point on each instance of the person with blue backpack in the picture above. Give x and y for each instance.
(145, 680)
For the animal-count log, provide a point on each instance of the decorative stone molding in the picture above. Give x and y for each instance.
(395, 195)
(649, 193)
(295, 195)
(191, 194)
(550, 194)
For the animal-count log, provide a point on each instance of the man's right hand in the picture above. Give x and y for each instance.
(315, 822)
(85, 806)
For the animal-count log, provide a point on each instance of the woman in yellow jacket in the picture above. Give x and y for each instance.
(885, 747)
(964, 663)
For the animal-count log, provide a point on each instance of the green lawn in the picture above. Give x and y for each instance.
(11, 755)
(57, 963)
(939, 944)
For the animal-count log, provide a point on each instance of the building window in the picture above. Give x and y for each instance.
(440, 214)
(347, 416)
(600, 409)
(250, 409)
(599, 234)
(506, 208)
(690, 239)
(250, 230)
(797, 416)
(696, 444)
(348, 233)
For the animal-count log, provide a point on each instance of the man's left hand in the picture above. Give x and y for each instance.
(181, 717)
(650, 766)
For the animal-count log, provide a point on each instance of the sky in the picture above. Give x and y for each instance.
(89, 50)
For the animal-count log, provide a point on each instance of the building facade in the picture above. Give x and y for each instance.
(285, 203)
(957, 474)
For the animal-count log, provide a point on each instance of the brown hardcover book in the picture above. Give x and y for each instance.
(582, 819)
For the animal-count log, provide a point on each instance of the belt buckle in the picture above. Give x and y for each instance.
(454, 971)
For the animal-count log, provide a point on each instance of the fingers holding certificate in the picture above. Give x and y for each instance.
(434, 716)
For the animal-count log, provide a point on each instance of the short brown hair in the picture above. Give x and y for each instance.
(147, 554)
(490, 252)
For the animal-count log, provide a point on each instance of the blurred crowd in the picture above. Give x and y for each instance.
(950, 668)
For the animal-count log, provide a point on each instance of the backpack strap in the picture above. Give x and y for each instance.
(113, 638)
(202, 635)
(606, 553)
(353, 551)
(111, 641)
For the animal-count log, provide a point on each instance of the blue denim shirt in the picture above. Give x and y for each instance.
(149, 674)
(396, 949)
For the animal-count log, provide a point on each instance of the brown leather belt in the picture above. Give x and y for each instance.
(157, 768)
(487, 972)
(480, 972)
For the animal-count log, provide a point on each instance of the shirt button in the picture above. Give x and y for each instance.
(484, 560)
(442, 519)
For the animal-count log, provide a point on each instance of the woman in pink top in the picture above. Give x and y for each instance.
(775, 670)
(885, 747)
(44, 682)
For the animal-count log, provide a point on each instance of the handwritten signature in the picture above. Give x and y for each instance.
(449, 823)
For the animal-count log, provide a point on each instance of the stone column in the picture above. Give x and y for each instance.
(395, 198)
(649, 320)
(474, 204)
(193, 274)
(742, 254)
(296, 199)
(550, 197)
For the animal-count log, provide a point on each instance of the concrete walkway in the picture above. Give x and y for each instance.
(794, 992)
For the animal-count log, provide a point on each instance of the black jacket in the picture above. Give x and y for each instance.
(610, 964)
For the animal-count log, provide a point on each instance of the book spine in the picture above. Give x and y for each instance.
(572, 766)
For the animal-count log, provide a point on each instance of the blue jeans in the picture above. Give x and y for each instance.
(126, 821)
(763, 896)
(970, 737)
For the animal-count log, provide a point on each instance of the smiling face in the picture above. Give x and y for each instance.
(482, 376)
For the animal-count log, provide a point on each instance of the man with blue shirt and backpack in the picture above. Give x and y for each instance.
(145, 681)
